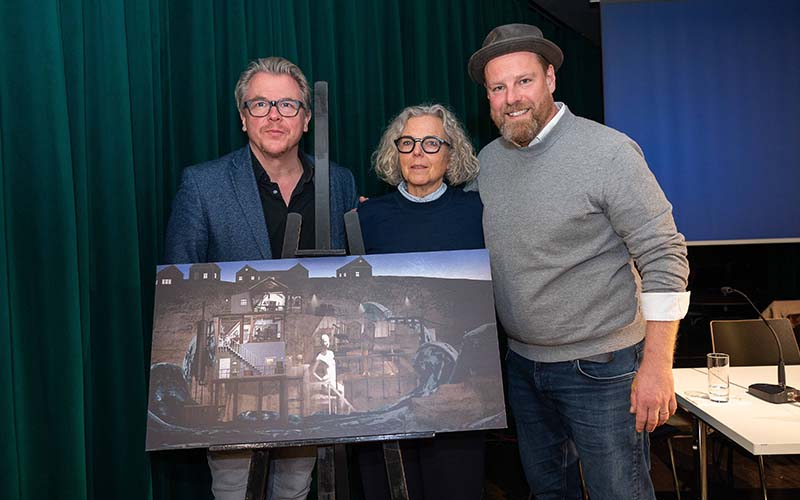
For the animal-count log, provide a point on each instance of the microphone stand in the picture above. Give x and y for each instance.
(772, 393)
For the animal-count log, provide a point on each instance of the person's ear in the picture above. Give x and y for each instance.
(550, 78)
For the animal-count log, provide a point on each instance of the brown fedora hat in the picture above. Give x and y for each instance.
(513, 38)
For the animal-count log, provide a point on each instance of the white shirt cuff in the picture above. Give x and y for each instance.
(669, 306)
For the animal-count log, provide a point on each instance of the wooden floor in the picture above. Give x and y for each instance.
(505, 480)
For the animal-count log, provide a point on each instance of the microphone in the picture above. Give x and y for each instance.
(772, 393)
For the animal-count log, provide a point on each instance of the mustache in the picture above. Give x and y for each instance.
(518, 106)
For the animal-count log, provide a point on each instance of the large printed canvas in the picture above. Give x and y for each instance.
(325, 349)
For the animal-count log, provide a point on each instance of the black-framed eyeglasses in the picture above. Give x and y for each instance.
(287, 108)
(430, 143)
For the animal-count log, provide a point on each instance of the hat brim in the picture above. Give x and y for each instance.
(480, 58)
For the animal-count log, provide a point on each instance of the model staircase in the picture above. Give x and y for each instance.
(244, 358)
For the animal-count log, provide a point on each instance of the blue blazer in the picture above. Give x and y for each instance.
(217, 214)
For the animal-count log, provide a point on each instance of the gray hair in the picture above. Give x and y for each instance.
(463, 164)
(275, 66)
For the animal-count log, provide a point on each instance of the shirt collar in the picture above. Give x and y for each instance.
(262, 177)
(552, 123)
(308, 168)
(403, 188)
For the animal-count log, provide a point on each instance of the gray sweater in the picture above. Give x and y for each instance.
(564, 221)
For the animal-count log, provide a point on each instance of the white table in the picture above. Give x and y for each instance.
(757, 426)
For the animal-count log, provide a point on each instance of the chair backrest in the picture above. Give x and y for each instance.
(750, 343)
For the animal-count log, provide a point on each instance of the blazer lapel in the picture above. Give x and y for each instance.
(244, 185)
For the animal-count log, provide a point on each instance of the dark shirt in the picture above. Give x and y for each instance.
(393, 224)
(275, 209)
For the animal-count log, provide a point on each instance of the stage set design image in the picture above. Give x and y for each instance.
(329, 349)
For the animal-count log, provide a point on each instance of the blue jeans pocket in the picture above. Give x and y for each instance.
(622, 366)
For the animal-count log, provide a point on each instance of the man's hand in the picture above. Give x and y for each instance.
(653, 389)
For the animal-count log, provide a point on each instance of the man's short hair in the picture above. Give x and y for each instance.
(543, 60)
(275, 66)
(462, 166)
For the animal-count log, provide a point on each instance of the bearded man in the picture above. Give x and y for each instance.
(590, 277)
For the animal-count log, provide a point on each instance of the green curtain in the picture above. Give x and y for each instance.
(102, 103)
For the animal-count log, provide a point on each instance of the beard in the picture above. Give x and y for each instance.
(522, 132)
(274, 152)
(272, 148)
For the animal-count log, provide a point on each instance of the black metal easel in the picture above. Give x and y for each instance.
(331, 458)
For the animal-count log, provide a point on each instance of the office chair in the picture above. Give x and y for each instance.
(679, 426)
(749, 342)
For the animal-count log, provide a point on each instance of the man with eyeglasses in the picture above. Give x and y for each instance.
(590, 277)
(234, 208)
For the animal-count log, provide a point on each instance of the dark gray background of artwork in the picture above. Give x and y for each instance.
(453, 306)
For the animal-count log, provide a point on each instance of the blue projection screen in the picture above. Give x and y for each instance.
(711, 91)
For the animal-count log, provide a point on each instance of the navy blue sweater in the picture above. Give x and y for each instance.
(393, 224)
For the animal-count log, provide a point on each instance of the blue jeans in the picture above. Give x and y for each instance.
(580, 409)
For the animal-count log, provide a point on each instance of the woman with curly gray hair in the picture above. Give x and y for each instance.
(420, 149)
(423, 147)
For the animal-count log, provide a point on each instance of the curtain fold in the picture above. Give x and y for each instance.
(45, 384)
(8, 407)
(102, 103)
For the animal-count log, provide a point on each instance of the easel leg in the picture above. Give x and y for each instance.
(326, 475)
(394, 469)
(342, 479)
(257, 479)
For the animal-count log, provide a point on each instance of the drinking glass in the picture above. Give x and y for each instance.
(718, 381)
